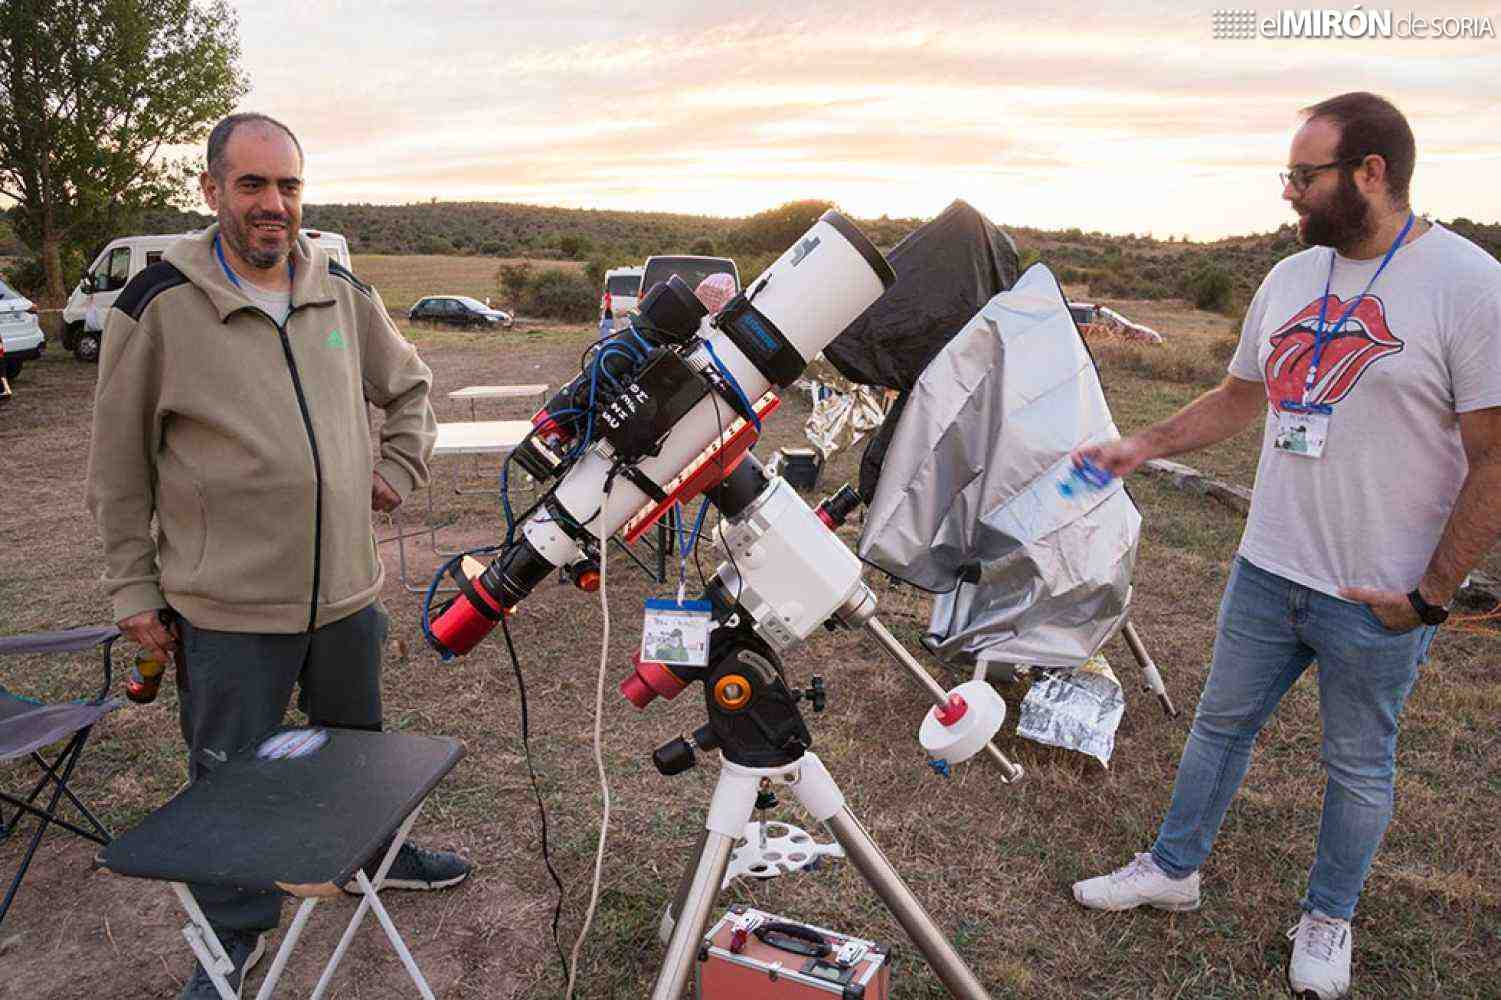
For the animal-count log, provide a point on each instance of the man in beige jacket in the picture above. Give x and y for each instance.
(234, 384)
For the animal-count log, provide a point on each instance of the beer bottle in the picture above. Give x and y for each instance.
(145, 679)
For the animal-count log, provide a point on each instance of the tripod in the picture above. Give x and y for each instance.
(763, 741)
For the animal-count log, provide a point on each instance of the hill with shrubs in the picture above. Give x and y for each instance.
(1220, 275)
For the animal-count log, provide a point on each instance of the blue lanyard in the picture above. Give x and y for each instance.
(1327, 333)
(229, 271)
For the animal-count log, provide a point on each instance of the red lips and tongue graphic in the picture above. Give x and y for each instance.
(1362, 341)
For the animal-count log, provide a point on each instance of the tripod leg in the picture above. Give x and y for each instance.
(675, 907)
(693, 919)
(1151, 677)
(816, 790)
(729, 810)
(884, 879)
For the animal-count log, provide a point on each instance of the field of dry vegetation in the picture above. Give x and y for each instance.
(992, 862)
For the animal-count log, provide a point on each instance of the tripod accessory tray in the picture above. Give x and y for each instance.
(853, 968)
(788, 849)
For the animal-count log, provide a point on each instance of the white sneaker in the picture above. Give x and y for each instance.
(1320, 964)
(1139, 883)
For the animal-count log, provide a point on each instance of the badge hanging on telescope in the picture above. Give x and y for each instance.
(676, 631)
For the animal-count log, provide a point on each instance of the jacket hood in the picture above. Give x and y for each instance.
(195, 257)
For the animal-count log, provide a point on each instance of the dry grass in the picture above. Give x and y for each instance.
(402, 280)
(992, 862)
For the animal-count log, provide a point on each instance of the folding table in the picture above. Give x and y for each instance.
(496, 437)
(299, 812)
(474, 393)
(476, 437)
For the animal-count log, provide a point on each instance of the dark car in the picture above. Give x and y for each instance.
(457, 310)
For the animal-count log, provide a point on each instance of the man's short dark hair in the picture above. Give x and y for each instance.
(219, 137)
(1369, 124)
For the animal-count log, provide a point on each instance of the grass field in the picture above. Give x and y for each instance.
(992, 862)
(402, 280)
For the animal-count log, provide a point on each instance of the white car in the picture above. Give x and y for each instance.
(121, 260)
(622, 292)
(19, 330)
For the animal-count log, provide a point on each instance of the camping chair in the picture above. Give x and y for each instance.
(27, 727)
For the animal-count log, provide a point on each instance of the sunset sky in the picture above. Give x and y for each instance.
(1052, 115)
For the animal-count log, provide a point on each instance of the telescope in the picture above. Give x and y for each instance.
(648, 403)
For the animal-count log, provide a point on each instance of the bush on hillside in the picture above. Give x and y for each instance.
(562, 294)
(513, 280)
(1211, 288)
(774, 230)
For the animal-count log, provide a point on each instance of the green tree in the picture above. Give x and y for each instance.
(703, 246)
(90, 93)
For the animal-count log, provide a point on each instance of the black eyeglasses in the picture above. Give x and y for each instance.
(1300, 177)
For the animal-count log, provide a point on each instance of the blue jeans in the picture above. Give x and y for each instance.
(1270, 629)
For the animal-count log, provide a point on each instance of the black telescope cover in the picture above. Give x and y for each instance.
(946, 270)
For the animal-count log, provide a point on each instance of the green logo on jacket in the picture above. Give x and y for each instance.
(335, 338)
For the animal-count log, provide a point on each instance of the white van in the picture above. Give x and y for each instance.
(622, 292)
(122, 260)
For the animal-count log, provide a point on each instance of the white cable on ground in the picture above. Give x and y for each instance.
(599, 761)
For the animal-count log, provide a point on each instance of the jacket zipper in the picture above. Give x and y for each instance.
(307, 423)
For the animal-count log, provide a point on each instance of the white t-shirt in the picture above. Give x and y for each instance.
(277, 305)
(1423, 346)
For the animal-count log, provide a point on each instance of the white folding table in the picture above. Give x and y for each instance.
(469, 437)
(475, 393)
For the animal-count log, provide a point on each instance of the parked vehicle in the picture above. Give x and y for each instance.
(21, 335)
(622, 292)
(690, 269)
(5, 393)
(121, 260)
(458, 310)
(1096, 320)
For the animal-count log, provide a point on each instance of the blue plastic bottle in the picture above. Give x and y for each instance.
(1085, 477)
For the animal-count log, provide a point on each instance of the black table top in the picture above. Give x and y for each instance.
(301, 822)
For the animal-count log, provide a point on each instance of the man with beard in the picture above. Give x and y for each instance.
(1382, 344)
(232, 404)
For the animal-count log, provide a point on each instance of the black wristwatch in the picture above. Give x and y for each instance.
(1428, 614)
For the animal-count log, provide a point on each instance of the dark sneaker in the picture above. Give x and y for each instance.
(420, 869)
(244, 949)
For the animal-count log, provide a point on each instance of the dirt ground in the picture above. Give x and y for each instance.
(993, 862)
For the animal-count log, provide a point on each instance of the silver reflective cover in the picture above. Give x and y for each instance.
(970, 490)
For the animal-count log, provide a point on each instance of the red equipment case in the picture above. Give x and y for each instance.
(751, 953)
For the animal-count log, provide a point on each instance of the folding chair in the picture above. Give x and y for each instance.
(28, 726)
(299, 812)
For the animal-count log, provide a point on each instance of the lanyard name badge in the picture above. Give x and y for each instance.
(1303, 427)
(677, 630)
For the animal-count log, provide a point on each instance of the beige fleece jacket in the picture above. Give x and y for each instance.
(249, 443)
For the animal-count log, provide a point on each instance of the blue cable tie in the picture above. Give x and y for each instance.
(739, 393)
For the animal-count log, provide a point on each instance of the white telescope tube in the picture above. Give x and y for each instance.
(820, 285)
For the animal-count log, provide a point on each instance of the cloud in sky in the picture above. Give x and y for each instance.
(1058, 115)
